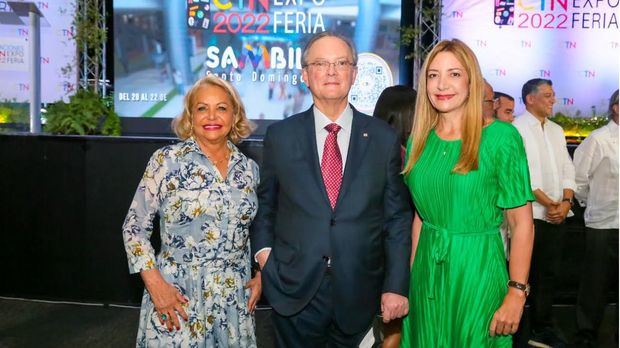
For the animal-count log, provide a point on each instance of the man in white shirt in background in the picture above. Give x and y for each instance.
(504, 107)
(552, 176)
(596, 163)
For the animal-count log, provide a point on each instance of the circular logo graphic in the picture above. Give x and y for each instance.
(373, 76)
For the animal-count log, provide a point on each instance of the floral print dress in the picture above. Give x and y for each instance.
(205, 254)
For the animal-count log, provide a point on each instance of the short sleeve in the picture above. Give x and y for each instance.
(513, 173)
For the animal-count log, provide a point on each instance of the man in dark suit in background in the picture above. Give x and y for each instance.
(333, 230)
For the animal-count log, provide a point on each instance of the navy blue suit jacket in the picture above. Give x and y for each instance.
(367, 235)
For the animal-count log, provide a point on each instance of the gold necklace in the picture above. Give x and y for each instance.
(216, 162)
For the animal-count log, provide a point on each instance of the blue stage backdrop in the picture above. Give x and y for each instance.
(162, 47)
(574, 43)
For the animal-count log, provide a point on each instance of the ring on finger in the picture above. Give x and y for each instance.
(164, 316)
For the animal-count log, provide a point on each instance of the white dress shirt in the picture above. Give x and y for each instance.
(345, 120)
(596, 163)
(551, 168)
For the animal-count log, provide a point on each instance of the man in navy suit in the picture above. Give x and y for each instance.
(333, 230)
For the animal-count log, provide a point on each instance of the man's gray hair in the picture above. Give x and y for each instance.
(315, 38)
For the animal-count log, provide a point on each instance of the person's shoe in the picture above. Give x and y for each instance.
(545, 339)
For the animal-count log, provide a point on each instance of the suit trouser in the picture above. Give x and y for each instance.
(314, 326)
(600, 262)
(546, 258)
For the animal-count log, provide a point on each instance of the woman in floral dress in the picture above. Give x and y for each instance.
(198, 288)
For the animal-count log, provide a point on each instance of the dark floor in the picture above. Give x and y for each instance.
(26, 323)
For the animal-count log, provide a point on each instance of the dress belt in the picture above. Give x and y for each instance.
(440, 245)
(232, 260)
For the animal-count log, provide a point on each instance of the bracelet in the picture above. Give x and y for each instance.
(520, 286)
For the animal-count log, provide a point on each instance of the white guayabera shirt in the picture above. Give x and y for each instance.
(596, 163)
(551, 168)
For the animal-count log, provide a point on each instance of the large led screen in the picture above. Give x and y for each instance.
(162, 47)
(574, 43)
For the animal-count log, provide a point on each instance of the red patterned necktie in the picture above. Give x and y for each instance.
(331, 164)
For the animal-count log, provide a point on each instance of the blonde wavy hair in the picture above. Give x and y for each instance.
(241, 128)
(427, 117)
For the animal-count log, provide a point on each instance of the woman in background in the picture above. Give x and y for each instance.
(395, 106)
(462, 173)
(198, 289)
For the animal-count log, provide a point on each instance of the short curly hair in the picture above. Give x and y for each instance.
(242, 127)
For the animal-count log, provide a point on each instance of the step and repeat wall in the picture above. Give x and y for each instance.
(58, 52)
(574, 43)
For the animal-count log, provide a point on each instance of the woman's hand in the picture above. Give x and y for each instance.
(506, 319)
(255, 287)
(167, 299)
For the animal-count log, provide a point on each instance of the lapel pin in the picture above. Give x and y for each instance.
(365, 135)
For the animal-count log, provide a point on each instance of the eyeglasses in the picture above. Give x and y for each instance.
(492, 101)
(323, 65)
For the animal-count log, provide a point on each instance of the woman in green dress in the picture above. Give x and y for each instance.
(462, 174)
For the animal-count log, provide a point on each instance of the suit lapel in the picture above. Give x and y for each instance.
(357, 148)
(313, 158)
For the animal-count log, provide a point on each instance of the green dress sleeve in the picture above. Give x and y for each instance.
(514, 175)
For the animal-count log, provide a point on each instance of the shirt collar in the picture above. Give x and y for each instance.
(344, 120)
(190, 145)
(533, 120)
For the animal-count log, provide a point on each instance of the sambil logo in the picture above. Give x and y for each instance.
(248, 52)
(590, 74)
(275, 58)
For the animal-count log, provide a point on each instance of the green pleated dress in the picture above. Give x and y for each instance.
(459, 276)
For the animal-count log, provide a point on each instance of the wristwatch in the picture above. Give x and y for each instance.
(520, 286)
(569, 200)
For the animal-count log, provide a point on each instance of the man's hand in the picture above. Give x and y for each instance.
(262, 257)
(393, 306)
(506, 319)
(255, 287)
(554, 213)
(557, 212)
